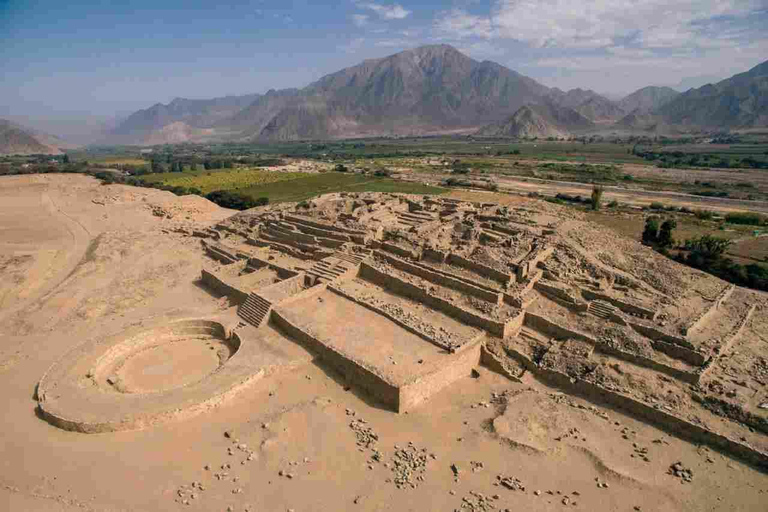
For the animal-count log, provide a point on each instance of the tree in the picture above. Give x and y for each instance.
(651, 231)
(65, 159)
(597, 196)
(665, 238)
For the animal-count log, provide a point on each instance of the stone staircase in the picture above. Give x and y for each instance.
(254, 310)
(335, 266)
(601, 309)
(413, 219)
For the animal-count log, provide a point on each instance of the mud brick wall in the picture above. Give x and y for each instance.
(217, 284)
(282, 273)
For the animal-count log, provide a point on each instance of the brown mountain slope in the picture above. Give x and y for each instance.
(648, 98)
(15, 140)
(739, 101)
(539, 121)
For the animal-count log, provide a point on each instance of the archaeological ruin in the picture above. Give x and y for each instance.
(403, 295)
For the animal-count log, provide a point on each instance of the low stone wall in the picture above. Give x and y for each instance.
(684, 354)
(479, 268)
(409, 290)
(219, 285)
(353, 371)
(282, 272)
(559, 292)
(441, 278)
(328, 227)
(541, 324)
(220, 253)
(423, 335)
(421, 388)
(662, 419)
(494, 363)
(701, 320)
(433, 255)
(283, 290)
(323, 233)
(658, 335)
(626, 307)
(400, 251)
(530, 262)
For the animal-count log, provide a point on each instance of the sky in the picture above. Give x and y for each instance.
(87, 61)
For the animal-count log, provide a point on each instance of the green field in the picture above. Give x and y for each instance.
(316, 184)
(222, 179)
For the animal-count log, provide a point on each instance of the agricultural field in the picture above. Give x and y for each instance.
(314, 185)
(223, 179)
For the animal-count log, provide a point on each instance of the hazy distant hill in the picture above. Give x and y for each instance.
(591, 105)
(18, 140)
(540, 121)
(647, 99)
(737, 102)
(139, 126)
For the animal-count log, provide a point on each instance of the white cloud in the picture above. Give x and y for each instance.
(460, 24)
(388, 12)
(599, 23)
(360, 20)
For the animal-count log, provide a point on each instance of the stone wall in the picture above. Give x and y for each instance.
(626, 307)
(442, 279)
(456, 366)
(543, 325)
(220, 286)
(409, 290)
(701, 320)
(283, 290)
(658, 335)
(282, 272)
(479, 268)
(658, 417)
(354, 372)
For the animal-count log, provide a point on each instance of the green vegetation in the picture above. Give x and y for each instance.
(227, 179)
(597, 197)
(313, 185)
(235, 201)
(706, 253)
(745, 218)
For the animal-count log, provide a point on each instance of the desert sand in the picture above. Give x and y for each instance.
(161, 353)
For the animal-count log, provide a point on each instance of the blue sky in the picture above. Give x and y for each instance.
(75, 59)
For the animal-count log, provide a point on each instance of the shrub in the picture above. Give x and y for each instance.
(657, 206)
(704, 214)
(665, 238)
(651, 231)
(597, 197)
(227, 199)
(746, 218)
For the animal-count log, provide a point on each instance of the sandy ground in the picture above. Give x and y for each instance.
(88, 261)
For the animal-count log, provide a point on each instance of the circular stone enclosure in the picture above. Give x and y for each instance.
(165, 359)
(146, 376)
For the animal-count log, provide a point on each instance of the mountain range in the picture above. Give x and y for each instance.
(437, 90)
